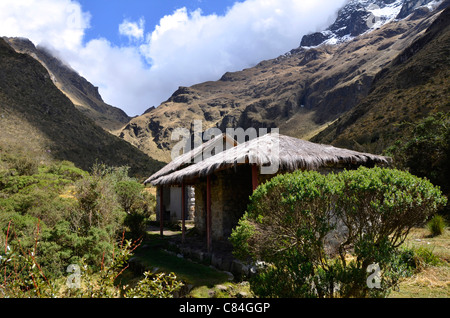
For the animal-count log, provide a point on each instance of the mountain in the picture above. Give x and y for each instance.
(82, 93)
(301, 92)
(415, 84)
(36, 118)
(361, 16)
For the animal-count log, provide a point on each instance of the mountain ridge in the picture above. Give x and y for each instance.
(414, 85)
(301, 92)
(80, 91)
(38, 119)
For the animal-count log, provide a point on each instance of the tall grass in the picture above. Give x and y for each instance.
(436, 225)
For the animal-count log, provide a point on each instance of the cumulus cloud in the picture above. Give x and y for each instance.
(133, 30)
(185, 48)
(59, 23)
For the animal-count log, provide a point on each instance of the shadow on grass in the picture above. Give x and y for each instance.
(154, 255)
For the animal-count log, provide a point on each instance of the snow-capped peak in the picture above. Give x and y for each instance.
(361, 16)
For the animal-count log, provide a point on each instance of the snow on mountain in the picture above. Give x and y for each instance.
(361, 16)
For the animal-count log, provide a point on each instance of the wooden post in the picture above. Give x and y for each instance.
(254, 176)
(183, 211)
(161, 210)
(208, 214)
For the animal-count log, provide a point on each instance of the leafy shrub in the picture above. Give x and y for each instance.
(286, 224)
(316, 233)
(67, 169)
(160, 285)
(128, 193)
(425, 150)
(137, 203)
(80, 215)
(22, 275)
(25, 166)
(436, 225)
(379, 207)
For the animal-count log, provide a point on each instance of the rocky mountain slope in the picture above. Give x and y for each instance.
(415, 84)
(37, 119)
(301, 92)
(83, 94)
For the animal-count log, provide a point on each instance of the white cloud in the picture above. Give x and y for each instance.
(133, 30)
(189, 47)
(183, 49)
(60, 23)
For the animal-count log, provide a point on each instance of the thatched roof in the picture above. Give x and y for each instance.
(286, 153)
(189, 157)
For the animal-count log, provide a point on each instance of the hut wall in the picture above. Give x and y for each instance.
(230, 190)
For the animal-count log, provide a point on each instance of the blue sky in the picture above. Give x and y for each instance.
(139, 52)
(106, 15)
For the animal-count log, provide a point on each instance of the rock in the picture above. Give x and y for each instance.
(313, 39)
(242, 294)
(222, 288)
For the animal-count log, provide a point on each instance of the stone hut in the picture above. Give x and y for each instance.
(223, 182)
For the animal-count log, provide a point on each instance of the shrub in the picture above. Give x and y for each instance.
(315, 232)
(160, 285)
(128, 193)
(425, 150)
(286, 224)
(22, 275)
(67, 169)
(436, 225)
(137, 203)
(25, 166)
(381, 204)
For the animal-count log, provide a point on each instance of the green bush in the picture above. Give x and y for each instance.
(66, 169)
(316, 232)
(425, 150)
(286, 224)
(65, 215)
(25, 166)
(436, 225)
(160, 285)
(138, 204)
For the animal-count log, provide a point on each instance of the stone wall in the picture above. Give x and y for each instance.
(230, 190)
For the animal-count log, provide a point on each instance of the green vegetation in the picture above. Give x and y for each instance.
(425, 151)
(54, 216)
(158, 254)
(310, 233)
(436, 225)
(36, 115)
(430, 264)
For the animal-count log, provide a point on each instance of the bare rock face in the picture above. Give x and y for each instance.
(360, 16)
(414, 85)
(301, 92)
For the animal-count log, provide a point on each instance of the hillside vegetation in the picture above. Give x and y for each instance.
(83, 94)
(37, 117)
(57, 219)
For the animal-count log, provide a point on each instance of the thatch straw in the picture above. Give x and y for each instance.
(282, 152)
(189, 157)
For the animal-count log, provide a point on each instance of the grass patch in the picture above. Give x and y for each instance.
(155, 254)
(432, 280)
